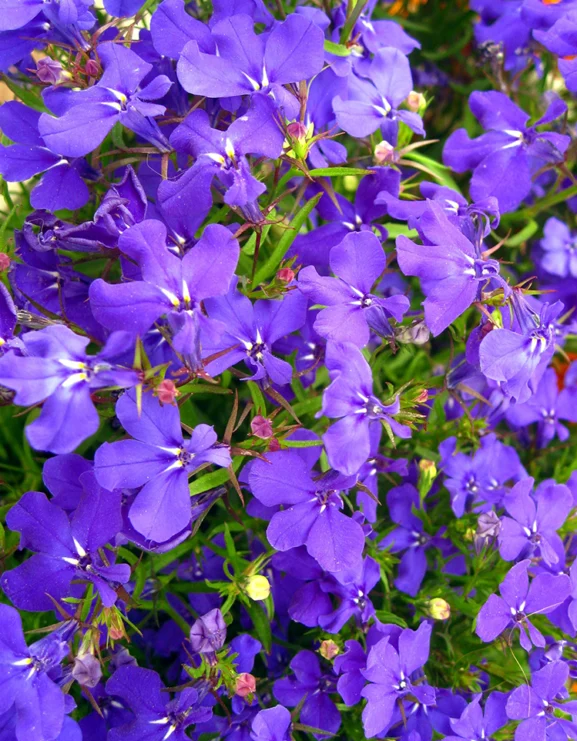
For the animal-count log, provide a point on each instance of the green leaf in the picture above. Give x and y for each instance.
(526, 233)
(213, 479)
(339, 50)
(390, 617)
(302, 443)
(284, 243)
(396, 230)
(26, 96)
(229, 543)
(257, 398)
(331, 172)
(261, 624)
(439, 172)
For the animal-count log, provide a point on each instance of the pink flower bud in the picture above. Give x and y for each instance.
(297, 130)
(48, 70)
(274, 445)
(245, 685)
(285, 275)
(422, 397)
(92, 68)
(415, 101)
(384, 152)
(261, 427)
(329, 650)
(167, 392)
(4, 262)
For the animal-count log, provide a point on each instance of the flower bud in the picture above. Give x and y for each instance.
(428, 467)
(285, 275)
(261, 427)
(329, 650)
(167, 391)
(4, 262)
(87, 670)
(208, 633)
(415, 101)
(439, 609)
(297, 130)
(273, 445)
(422, 398)
(49, 70)
(92, 68)
(245, 685)
(384, 153)
(258, 587)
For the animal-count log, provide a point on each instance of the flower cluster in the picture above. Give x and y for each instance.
(288, 370)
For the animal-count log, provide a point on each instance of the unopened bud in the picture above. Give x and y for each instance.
(428, 468)
(4, 262)
(208, 633)
(92, 68)
(329, 650)
(261, 427)
(273, 445)
(439, 609)
(415, 101)
(167, 391)
(258, 587)
(297, 130)
(49, 70)
(422, 398)
(87, 670)
(384, 153)
(245, 685)
(285, 275)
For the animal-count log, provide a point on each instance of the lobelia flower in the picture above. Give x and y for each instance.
(248, 64)
(160, 460)
(87, 670)
(156, 716)
(37, 704)
(86, 117)
(479, 481)
(559, 245)
(408, 538)
(389, 672)
(518, 602)
(374, 101)
(505, 158)
(350, 398)
(8, 321)
(68, 16)
(272, 724)
(565, 616)
(453, 270)
(352, 309)
(312, 517)
(315, 687)
(517, 358)
(535, 705)
(477, 723)
(560, 39)
(251, 330)
(350, 665)
(64, 549)
(57, 371)
(533, 522)
(352, 588)
(62, 186)
(208, 633)
(314, 247)
(220, 154)
(171, 286)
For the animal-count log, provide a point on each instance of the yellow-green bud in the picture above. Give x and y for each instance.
(329, 650)
(258, 587)
(439, 609)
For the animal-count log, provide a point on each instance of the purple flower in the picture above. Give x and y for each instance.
(519, 601)
(156, 716)
(160, 460)
(408, 538)
(37, 703)
(251, 331)
(352, 589)
(352, 308)
(58, 371)
(247, 63)
(315, 687)
(208, 633)
(86, 117)
(312, 516)
(350, 398)
(547, 406)
(517, 358)
(510, 153)
(375, 102)
(220, 154)
(65, 550)
(170, 286)
(350, 666)
(535, 705)
(533, 522)
(560, 249)
(272, 724)
(389, 672)
(476, 725)
(453, 269)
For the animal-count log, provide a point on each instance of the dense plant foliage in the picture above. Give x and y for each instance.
(286, 370)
